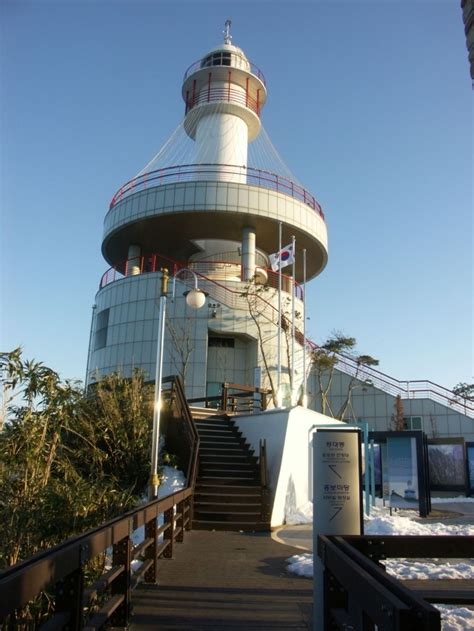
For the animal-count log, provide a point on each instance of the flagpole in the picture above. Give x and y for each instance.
(279, 401)
(305, 403)
(293, 323)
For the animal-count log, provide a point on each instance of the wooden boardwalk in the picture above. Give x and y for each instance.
(227, 581)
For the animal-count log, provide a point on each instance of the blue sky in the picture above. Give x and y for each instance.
(369, 106)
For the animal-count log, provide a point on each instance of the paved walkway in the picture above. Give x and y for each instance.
(226, 581)
(454, 513)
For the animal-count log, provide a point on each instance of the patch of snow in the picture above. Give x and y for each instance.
(301, 515)
(301, 564)
(455, 618)
(173, 480)
(451, 500)
(409, 569)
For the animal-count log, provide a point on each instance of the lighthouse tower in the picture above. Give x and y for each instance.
(217, 216)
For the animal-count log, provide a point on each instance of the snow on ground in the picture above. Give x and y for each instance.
(451, 500)
(402, 523)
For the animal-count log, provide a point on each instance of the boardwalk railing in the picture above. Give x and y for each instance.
(360, 594)
(60, 574)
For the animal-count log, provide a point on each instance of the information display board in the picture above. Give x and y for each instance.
(337, 501)
(470, 467)
(402, 473)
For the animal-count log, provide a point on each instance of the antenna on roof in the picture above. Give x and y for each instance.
(226, 31)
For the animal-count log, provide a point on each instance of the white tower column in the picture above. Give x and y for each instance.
(248, 253)
(222, 139)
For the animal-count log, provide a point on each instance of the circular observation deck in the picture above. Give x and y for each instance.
(169, 209)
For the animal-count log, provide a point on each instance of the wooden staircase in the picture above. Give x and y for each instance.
(228, 493)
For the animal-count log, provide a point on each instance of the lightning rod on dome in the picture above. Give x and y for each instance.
(226, 31)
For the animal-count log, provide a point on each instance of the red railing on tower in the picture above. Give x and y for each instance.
(193, 172)
(244, 64)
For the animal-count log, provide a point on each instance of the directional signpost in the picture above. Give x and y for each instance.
(337, 497)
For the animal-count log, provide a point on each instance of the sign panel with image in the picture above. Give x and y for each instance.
(402, 473)
(447, 464)
(470, 466)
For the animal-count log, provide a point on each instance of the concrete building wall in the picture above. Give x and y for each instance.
(125, 328)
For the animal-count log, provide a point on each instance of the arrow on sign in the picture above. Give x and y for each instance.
(338, 510)
(333, 469)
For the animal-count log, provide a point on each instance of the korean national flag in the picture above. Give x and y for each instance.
(281, 259)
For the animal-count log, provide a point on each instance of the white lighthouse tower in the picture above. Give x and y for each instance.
(205, 204)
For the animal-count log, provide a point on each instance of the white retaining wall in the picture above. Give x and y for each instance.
(288, 435)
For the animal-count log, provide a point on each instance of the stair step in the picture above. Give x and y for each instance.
(229, 516)
(205, 433)
(228, 480)
(227, 458)
(257, 526)
(228, 489)
(228, 465)
(231, 450)
(230, 472)
(215, 420)
(241, 507)
(220, 438)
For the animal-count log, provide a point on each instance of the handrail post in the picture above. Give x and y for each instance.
(168, 534)
(122, 555)
(151, 532)
(69, 595)
(180, 521)
(225, 394)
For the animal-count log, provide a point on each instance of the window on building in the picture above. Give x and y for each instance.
(222, 342)
(102, 324)
(217, 59)
(413, 422)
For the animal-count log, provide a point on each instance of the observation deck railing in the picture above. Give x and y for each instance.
(198, 172)
(223, 95)
(223, 270)
(244, 64)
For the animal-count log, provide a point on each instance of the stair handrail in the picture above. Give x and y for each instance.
(179, 399)
(263, 463)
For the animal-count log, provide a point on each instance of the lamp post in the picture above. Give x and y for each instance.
(194, 299)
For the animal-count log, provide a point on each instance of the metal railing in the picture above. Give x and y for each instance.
(199, 172)
(414, 389)
(245, 64)
(225, 270)
(223, 95)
